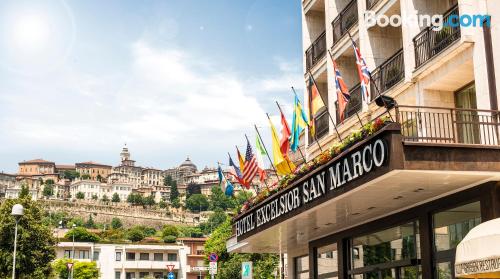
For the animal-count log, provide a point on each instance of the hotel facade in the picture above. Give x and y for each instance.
(396, 203)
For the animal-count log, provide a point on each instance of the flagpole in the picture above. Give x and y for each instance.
(265, 149)
(258, 165)
(357, 115)
(326, 105)
(309, 128)
(285, 156)
(281, 111)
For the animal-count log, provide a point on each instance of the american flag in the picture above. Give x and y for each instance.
(251, 167)
(343, 95)
(363, 72)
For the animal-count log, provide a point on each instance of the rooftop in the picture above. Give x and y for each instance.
(36, 161)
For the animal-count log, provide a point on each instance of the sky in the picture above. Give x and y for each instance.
(79, 79)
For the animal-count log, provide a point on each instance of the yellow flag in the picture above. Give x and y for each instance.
(283, 165)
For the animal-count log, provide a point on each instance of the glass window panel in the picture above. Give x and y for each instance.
(172, 257)
(158, 257)
(130, 256)
(451, 226)
(394, 244)
(443, 270)
(327, 265)
(144, 256)
(302, 267)
(411, 272)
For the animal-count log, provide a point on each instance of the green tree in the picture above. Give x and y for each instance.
(25, 192)
(197, 202)
(193, 189)
(167, 180)
(105, 198)
(99, 178)
(80, 195)
(95, 197)
(214, 221)
(116, 223)
(135, 234)
(169, 239)
(219, 200)
(35, 243)
(85, 176)
(176, 203)
(71, 174)
(81, 235)
(48, 190)
(242, 197)
(115, 198)
(174, 192)
(169, 230)
(90, 224)
(81, 270)
(162, 204)
(135, 199)
(149, 200)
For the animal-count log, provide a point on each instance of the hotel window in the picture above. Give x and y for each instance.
(449, 228)
(130, 256)
(172, 257)
(302, 267)
(118, 275)
(389, 253)
(158, 257)
(144, 257)
(326, 262)
(118, 256)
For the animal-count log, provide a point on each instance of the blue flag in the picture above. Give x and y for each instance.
(221, 175)
(229, 189)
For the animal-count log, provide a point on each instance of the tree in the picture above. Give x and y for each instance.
(99, 178)
(35, 242)
(169, 239)
(115, 198)
(48, 190)
(105, 198)
(81, 270)
(162, 204)
(81, 235)
(197, 203)
(135, 199)
(176, 203)
(174, 192)
(95, 197)
(242, 197)
(116, 223)
(90, 224)
(149, 200)
(80, 195)
(25, 192)
(219, 200)
(169, 230)
(214, 221)
(85, 176)
(192, 189)
(168, 181)
(71, 174)
(135, 234)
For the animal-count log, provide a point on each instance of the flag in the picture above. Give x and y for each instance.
(315, 102)
(363, 72)
(229, 191)
(251, 167)
(236, 171)
(259, 155)
(285, 136)
(299, 123)
(221, 175)
(283, 165)
(240, 159)
(343, 95)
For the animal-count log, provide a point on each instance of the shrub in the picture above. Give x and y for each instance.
(82, 235)
(169, 239)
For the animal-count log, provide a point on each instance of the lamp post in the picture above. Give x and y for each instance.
(17, 212)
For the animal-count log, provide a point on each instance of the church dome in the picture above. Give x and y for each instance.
(188, 164)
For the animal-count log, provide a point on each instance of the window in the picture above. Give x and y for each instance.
(118, 256)
(302, 267)
(130, 256)
(96, 256)
(172, 257)
(389, 253)
(449, 228)
(118, 274)
(144, 257)
(130, 275)
(143, 274)
(326, 261)
(158, 275)
(158, 257)
(83, 254)
(68, 254)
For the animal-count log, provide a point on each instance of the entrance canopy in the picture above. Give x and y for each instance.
(478, 255)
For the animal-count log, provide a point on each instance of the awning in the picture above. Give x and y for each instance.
(478, 255)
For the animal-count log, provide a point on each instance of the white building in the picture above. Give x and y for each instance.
(91, 188)
(129, 261)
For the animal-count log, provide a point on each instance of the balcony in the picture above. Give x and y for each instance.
(316, 51)
(371, 3)
(430, 43)
(388, 74)
(354, 105)
(321, 124)
(448, 125)
(345, 20)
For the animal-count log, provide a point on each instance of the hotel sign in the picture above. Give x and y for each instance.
(336, 174)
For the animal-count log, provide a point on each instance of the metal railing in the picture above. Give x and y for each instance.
(371, 3)
(430, 42)
(322, 124)
(388, 74)
(449, 125)
(316, 51)
(345, 20)
(354, 105)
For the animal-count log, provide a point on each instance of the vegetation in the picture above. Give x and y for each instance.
(192, 189)
(25, 192)
(135, 234)
(80, 195)
(90, 223)
(115, 198)
(35, 243)
(116, 223)
(71, 174)
(105, 198)
(85, 176)
(81, 270)
(82, 235)
(48, 190)
(197, 202)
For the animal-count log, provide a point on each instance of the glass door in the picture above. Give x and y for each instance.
(467, 121)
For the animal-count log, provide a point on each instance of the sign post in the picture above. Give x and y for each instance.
(70, 268)
(246, 270)
(170, 268)
(170, 275)
(213, 264)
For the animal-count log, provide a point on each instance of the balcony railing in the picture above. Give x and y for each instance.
(430, 42)
(449, 125)
(388, 74)
(321, 124)
(345, 20)
(354, 105)
(316, 51)
(371, 3)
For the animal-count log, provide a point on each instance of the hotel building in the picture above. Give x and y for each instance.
(397, 202)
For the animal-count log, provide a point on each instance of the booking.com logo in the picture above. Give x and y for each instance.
(437, 22)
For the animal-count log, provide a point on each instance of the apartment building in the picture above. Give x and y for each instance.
(128, 261)
(92, 188)
(394, 201)
(196, 257)
(95, 171)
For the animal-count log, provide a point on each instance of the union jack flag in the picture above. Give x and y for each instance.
(343, 95)
(363, 72)
(251, 167)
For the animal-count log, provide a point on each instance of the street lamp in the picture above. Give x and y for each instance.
(73, 250)
(17, 212)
